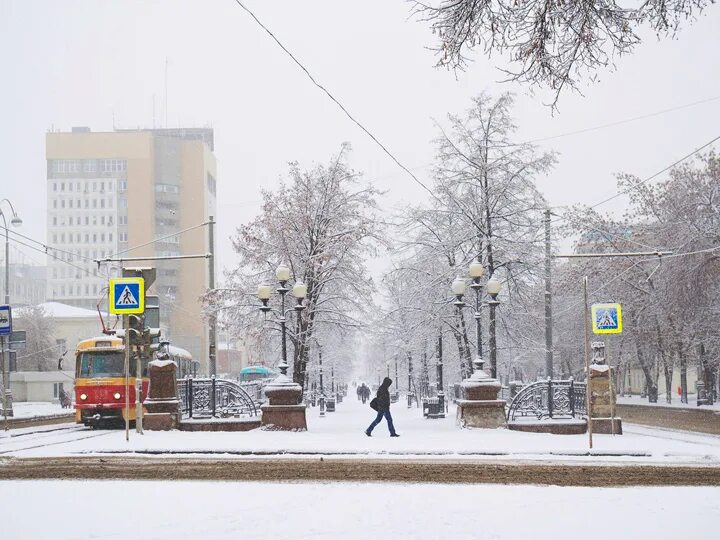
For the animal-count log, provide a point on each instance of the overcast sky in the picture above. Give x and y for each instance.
(99, 64)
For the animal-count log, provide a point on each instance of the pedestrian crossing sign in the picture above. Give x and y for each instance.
(127, 296)
(607, 318)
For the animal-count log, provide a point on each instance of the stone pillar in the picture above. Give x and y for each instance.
(602, 400)
(285, 410)
(480, 407)
(162, 405)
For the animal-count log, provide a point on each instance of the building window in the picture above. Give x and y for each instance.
(167, 188)
(123, 237)
(211, 184)
(122, 186)
(54, 238)
(62, 203)
(102, 203)
(90, 165)
(55, 220)
(123, 203)
(54, 186)
(62, 186)
(110, 235)
(87, 220)
(94, 203)
(54, 203)
(114, 165)
(70, 203)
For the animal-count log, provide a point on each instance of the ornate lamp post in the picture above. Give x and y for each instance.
(476, 271)
(493, 289)
(480, 406)
(15, 221)
(284, 411)
(321, 399)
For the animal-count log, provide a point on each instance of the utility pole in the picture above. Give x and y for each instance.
(212, 321)
(548, 301)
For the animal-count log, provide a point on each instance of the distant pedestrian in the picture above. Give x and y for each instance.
(365, 392)
(359, 392)
(382, 406)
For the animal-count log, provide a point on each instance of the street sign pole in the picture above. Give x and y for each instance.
(138, 394)
(2, 386)
(126, 324)
(586, 316)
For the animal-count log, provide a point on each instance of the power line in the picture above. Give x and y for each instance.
(321, 87)
(623, 192)
(620, 122)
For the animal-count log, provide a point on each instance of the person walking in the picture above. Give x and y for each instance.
(382, 406)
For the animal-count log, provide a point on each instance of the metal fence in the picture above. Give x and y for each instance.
(549, 399)
(214, 398)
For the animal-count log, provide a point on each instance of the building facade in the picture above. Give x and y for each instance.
(28, 284)
(131, 193)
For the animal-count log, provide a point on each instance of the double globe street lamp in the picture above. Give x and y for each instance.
(492, 287)
(299, 291)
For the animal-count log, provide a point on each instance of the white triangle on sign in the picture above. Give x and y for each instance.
(126, 298)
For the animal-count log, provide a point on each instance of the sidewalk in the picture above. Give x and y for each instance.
(342, 434)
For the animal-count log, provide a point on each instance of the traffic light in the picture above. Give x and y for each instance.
(136, 327)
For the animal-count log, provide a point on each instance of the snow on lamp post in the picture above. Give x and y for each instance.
(476, 271)
(284, 410)
(480, 407)
(493, 287)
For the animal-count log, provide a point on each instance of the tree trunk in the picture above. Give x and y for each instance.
(652, 390)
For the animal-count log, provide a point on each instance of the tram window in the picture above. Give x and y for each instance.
(96, 364)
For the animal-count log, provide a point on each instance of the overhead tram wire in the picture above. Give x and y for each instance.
(404, 168)
(621, 122)
(321, 87)
(644, 181)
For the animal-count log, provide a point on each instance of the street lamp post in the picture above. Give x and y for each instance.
(322, 389)
(15, 221)
(458, 287)
(476, 272)
(480, 406)
(299, 291)
(284, 410)
(493, 289)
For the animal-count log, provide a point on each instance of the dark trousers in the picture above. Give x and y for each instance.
(378, 419)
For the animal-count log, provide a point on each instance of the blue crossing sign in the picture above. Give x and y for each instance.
(607, 318)
(5, 320)
(127, 296)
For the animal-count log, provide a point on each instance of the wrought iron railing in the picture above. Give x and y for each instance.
(549, 399)
(214, 398)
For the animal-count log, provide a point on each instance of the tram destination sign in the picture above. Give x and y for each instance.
(127, 296)
(5, 320)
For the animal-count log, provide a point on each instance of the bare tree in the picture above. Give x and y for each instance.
(40, 353)
(323, 225)
(553, 43)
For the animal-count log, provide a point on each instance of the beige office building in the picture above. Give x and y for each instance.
(130, 192)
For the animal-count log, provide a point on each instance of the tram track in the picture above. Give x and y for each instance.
(8, 445)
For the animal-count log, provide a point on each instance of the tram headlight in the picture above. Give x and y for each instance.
(116, 395)
(83, 397)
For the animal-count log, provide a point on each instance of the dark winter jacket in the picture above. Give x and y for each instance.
(383, 395)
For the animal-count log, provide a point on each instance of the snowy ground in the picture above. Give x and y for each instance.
(316, 511)
(342, 433)
(31, 409)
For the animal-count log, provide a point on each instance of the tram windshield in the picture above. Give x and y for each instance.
(101, 364)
